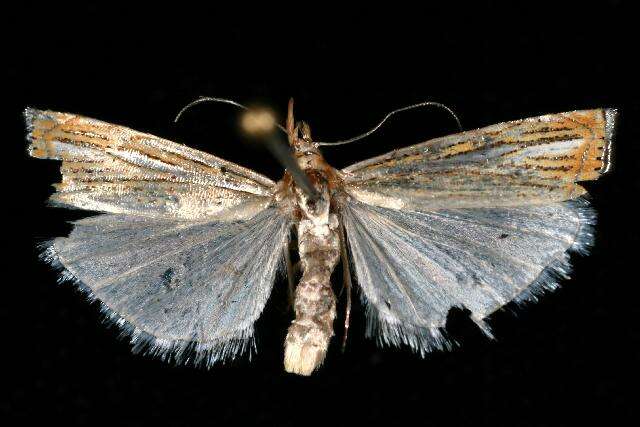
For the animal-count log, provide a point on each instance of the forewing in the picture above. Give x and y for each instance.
(413, 268)
(523, 162)
(114, 169)
(191, 291)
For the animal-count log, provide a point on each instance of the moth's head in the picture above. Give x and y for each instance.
(299, 133)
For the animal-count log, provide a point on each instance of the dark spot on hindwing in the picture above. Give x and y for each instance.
(169, 280)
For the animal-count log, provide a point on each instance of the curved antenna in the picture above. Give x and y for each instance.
(399, 110)
(220, 100)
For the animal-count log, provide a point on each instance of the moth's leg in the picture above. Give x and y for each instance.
(346, 280)
(290, 275)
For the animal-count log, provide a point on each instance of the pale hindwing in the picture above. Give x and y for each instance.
(524, 162)
(183, 290)
(114, 169)
(412, 267)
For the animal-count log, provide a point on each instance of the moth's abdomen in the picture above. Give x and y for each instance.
(315, 303)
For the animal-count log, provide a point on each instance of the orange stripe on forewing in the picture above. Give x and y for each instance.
(579, 163)
(115, 169)
(529, 161)
(69, 137)
(582, 162)
(49, 134)
(461, 148)
(585, 129)
(592, 160)
(579, 132)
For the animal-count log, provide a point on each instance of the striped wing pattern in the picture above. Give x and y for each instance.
(473, 220)
(530, 161)
(114, 169)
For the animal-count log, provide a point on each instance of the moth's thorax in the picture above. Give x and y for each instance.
(310, 160)
(322, 177)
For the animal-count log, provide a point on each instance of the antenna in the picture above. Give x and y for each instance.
(399, 110)
(204, 99)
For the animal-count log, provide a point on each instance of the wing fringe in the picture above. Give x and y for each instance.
(394, 334)
(549, 279)
(180, 352)
(422, 340)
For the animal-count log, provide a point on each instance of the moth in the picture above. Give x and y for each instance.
(185, 249)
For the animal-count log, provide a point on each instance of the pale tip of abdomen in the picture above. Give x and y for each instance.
(303, 358)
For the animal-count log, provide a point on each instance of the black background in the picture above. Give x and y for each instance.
(568, 359)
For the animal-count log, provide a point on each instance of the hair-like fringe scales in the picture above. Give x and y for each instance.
(560, 269)
(29, 115)
(420, 340)
(182, 352)
(424, 340)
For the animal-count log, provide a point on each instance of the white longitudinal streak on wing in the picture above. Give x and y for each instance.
(524, 162)
(412, 268)
(187, 291)
(114, 169)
